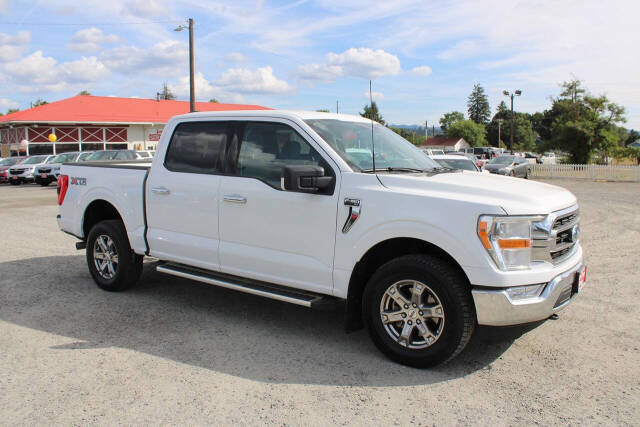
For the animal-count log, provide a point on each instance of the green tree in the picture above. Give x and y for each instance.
(450, 118)
(214, 101)
(322, 110)
(502, 108)
(166, 93)
(38, 102)
(634, 135)
(371, 112)
(12, 110)
(84, 93)
(411, 136)
(472, 132)
(478, 105)
(583, 124)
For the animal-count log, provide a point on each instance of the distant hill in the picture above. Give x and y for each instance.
(418, 129)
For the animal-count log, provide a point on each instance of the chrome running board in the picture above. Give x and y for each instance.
(263, 289)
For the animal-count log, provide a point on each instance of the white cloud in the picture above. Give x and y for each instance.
(37, 73)
(365, 62)
(238, 58)
(90, 39)
(462, 49)
(320, 72)
(377, 96)
(4, 5)
(6, 103)
(204, 90)
(355, 62)
(423, 70)
(148, 8)
(12, 46)
(244, 80)
(168, 57)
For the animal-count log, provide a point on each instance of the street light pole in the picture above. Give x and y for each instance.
(517, 92)
(192, 85)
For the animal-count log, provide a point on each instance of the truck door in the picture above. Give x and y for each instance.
(267, 233)
(182, 195)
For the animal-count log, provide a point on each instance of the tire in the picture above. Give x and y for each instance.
(441, 286)
(45, 183)
(14, 182)
(526, 174)
(511, 173)
(125, 270)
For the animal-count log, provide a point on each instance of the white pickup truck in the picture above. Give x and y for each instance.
(291, 206)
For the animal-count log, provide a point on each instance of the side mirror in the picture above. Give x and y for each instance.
(305, 179)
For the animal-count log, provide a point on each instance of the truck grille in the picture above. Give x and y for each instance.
(556, 238)
(16, 171)
(44, 170)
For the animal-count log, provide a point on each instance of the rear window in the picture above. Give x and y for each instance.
(197, 147)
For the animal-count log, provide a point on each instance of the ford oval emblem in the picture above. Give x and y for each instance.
(575, 233)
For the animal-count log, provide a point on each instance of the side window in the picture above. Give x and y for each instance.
(197, 147)
(266, 148)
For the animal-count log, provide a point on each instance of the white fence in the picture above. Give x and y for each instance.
(594, 172)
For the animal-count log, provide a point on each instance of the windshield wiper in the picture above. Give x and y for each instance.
(397, 169)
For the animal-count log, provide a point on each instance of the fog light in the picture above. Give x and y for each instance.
(524, 292)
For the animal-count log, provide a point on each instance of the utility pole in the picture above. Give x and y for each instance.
(499, 126)
(506, 93)
(192, 86)
(336, 106)
(426, 131)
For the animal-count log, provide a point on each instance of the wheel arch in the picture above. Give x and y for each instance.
(96, 211)
(379, 254)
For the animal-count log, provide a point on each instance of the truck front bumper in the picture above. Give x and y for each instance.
(512, 306)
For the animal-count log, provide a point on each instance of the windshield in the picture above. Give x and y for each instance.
(61, 158)
(503, 160)
(10, 161)
(83, 156)
(112, 155)
(352, 141)
(34, 160)
(464, 164)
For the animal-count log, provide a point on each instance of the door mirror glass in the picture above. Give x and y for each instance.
(305, 179)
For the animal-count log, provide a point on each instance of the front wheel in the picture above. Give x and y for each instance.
(14, 182)
(44, 183)
(112, 263)
(419, 310)
(526, 174)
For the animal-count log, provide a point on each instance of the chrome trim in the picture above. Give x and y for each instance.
(545, 233)
(233, 286)
(235, 198)
(160, 190)
(354, 213)
(494, 307)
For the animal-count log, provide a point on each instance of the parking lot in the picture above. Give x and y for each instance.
(179, 352)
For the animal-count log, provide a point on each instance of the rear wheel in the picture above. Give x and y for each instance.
(44, 183)
(112, 263)
(14, 181)
(511, 173)
(418, 310)
(526, 174)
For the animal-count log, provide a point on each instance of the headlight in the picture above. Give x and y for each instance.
(508, 239)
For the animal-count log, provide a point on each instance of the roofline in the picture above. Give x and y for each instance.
(78, 122)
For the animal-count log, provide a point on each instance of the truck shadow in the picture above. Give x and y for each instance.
(214, 328)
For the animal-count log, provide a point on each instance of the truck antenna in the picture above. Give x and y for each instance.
(373, 147)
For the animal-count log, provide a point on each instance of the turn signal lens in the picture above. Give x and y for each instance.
(483, 233)
(514, 243)
(63, 185)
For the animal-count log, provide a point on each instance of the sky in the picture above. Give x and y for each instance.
(422, 56)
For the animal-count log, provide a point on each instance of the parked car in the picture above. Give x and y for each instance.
(270, 203)
(432, 152)
(47, 173)
(5, 164)
(479, 163)
(549, 158)
(145, 154)
(532, 158)
(456, 162)
(23, 172)
(106, 155)
(510, 165)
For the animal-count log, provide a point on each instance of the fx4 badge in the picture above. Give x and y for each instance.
(74, 180)
(354, 213)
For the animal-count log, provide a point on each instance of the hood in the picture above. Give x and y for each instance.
(516, 196)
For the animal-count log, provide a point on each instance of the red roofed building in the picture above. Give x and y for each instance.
(84, 122)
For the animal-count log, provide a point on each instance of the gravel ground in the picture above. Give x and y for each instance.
(173, 351)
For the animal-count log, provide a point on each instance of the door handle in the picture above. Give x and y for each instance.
(235, 198)
(160, 190)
